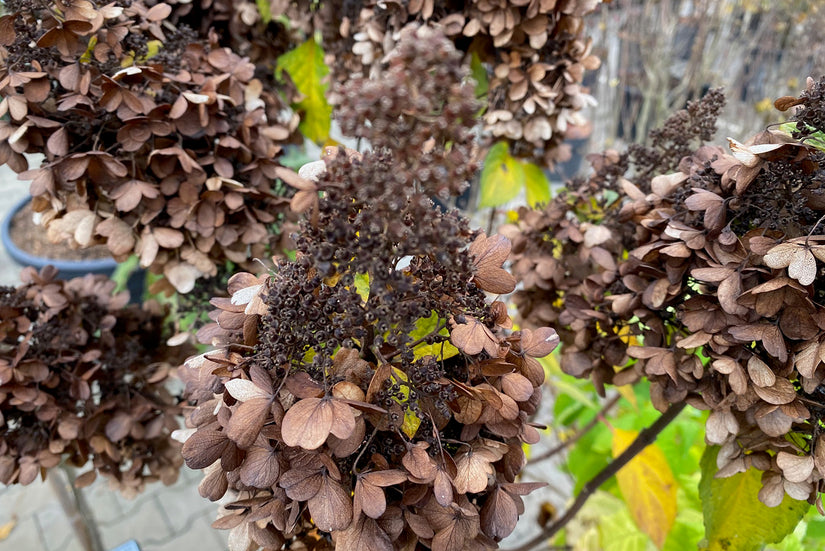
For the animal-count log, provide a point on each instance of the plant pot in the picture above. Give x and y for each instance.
(67, 269)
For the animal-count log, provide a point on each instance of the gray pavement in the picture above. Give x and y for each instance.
(163, 518)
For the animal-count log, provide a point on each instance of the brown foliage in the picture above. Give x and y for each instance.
(82, 379)
(370, 435)
(168, 155)
(534, 55)
(707, 281)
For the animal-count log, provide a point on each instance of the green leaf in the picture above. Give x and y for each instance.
(735, 519)
(479, 74)
(411, 420)
(501, 178)
(688, 529)
(441, 350)
(536, 185)
(648, 487)
(816, 139)
(605, 524)
(264, 10)
(618, 533)
(362, 286)
(123, 272)
(305, 66)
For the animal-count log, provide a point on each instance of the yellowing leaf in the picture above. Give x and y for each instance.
(411, 420)
(735, 519)
(305, 66)
(264, 10)
(502, 177)
(362, 286)
(536, 185)
(87, 55)
(648, 487)
(7, 527)
(425, 326)
(152, 49)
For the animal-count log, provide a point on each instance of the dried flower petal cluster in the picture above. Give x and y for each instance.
(534, 54)
(365, 395)
(82, 379)
(708, 282)
(158, 141)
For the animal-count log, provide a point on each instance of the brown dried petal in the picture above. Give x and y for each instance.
(473, 337)
(331, 506)
(204, 448)
(419, 463)
(795, 468)
(308, 423)
(760, 373)
(781, 392)
(261, 467)
(247, 421)
(499, 515)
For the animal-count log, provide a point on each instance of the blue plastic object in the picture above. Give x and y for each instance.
(130, 545)
(67, 269)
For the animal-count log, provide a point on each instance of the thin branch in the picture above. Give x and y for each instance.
(576, 437)
(645, 438)
(492, 220)
(416, 342)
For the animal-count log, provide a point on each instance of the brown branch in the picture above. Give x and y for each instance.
(576, 437)
(645, 438)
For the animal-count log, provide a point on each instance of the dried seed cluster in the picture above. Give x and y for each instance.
(159, 141)
(82, 378)
(365, 395)
(709, 283)
(534, 54)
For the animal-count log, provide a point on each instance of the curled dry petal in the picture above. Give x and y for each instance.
(331, 506)
(540, 342)
(308, 423)
(795, 468)
(489, 254)
(473, 337)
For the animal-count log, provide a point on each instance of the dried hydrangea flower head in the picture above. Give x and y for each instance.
(707, 281)
(534, 55)
(82, 379)
(157, 141)
(366, 395)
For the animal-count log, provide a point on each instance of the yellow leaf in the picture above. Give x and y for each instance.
(536, 185)
(87, 55)
(648, 487)
(305, 66)
(440, 350)
(627, 393)
(411, 420)
(6, 528)
(502, 177)
(152, 49)
(362, 286)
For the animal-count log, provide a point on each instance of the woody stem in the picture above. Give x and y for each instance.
(645, 438)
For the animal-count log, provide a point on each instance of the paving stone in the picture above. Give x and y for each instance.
(182, 504)
(25, 501)
(199, 536)
(103, 501)
(25, 536)
(144, 522)
(55, 527)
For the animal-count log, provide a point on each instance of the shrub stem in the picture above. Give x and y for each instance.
(645, 438)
